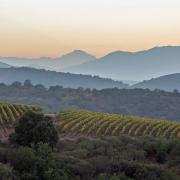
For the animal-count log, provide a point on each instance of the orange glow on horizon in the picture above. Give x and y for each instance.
(55, 27)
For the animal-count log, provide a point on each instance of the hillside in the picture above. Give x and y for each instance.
(167, 83)
(135, 66)
(52, 78)
(9, 114)
(118, 65)
(4, 65)
(139, 102)
(73, 58)
(91, 146)
(98, 124)
(122, 158)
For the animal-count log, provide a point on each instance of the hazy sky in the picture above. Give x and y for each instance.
(54, 27)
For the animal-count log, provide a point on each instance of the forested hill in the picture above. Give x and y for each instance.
(52, 78)
(168, 83)
(154, 104)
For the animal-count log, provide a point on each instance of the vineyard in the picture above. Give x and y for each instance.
(9, 113)
(95, 124)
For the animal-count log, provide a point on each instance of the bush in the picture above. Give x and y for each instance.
(33, 128)
(49, 166)
(6, 172)
(33, 163)
(112, 177)
(162, 151)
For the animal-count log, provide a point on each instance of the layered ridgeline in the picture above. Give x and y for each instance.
(97, 124)
(168, 82)
(10, 113)
(119, 65)
(136, 66)
(52, 78)
(73, 58)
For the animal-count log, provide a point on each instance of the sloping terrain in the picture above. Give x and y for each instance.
(4, 65)
(118, 65)
(135, 66)
(140, 102)
(73, 58)
(9, 113)
(52, 78)
(98, 124)
(168, 83)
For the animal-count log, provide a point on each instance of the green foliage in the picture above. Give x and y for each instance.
(112, 177)
(161, 153)
(105, 158)
(23, 160)
(140, 102)
(33, 128)
(33, 164)
(49, 165)
(6, 172)
(120, 158)
(174, 161)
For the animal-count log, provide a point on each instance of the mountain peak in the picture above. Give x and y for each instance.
(168, 47)
(78, 54)
(79, 51)
(116, 54)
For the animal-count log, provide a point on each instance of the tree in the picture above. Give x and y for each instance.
(33, 128)
(176, 91)
(23, 160)
(28, 84)
(16, 84)
(49, 165)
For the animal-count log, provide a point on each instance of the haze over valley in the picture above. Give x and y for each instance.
(89, 89)
(127, 67)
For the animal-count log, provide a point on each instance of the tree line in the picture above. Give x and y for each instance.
(141, 102)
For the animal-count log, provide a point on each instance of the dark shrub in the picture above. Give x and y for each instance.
(6, 172)
(33, 128)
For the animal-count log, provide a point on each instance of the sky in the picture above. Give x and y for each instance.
(34, 28)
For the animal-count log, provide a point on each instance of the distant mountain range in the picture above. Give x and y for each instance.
(52, 78)
(48, 78)
(76, 57)
(135, 66)
(167, 83)
(119, 65)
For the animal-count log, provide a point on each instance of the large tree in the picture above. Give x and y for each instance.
(33, 128)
